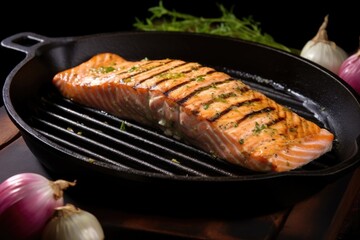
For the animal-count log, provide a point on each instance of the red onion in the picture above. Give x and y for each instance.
(27, 202)
(350, 70)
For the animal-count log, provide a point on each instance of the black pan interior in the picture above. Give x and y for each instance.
(69, 138)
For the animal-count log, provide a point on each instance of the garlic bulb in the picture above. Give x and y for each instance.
(73, 223)
(324, 52)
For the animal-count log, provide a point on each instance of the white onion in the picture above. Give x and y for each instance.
(324, 52)
(27, 201)
(73, 223)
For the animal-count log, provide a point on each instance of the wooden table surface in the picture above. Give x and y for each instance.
(320, 216)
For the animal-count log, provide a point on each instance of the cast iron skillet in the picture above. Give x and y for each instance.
(77, 142)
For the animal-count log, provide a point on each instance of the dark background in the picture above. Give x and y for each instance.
(291, 23)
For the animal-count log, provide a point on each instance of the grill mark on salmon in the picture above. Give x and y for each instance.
(126, 75)
(165, 68)
(142, 75)
(196, 78)
(208, 109)
(254, 113)
(128, 70)
(190, 80)
(200, 89)
(199, 102)
(275, 121)
(231, 107)
(174, 74)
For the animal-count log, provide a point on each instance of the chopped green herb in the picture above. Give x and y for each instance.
(217, 114)
(238, 89)
(123, 126)
(200, 78)
(286, 109)
(222, 97)
(248, 103)
(206, 106)
(91, 160)
(129, 79)
(175, 161)
(213, 154)
(258, 128)
(103, 69)
(241, 141)
(213, 85)
(133, 68)
(108, 69)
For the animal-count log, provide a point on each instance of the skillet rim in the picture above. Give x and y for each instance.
(32, 52)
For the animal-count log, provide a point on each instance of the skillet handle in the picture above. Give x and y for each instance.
(25, 42)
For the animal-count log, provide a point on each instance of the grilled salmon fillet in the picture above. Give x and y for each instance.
(206, 108)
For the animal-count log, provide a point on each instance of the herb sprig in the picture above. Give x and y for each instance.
(228, 24)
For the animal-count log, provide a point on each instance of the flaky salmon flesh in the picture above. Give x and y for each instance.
(199, 105)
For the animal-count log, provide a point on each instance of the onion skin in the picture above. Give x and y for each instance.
(326, 54)
(27, 202)
(350, 71)
(73, 223)
(323, 51)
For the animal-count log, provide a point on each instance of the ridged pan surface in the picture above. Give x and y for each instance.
(72, 139)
